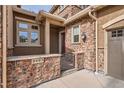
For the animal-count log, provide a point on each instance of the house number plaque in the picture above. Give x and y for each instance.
(37, 60)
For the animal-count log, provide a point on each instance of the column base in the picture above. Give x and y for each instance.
(96, 72)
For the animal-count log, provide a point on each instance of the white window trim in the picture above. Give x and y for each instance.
(29, 30)
(72, 35)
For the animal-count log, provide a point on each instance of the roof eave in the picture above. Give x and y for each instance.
(83, 13)
(19, 10)
(53, 8)
(51, 16)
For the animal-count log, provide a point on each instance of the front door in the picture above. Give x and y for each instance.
(62, 42)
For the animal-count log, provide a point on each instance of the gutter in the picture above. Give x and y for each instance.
(96, 29)
(4, 55)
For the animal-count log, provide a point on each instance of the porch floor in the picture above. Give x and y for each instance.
(83, 79)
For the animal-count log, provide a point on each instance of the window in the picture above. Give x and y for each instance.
(76, 34)
(23, 37)
(120, 33)
(23, 25)
(83, 6)
(34, 27)
(27, 34)
(117, 33)
(62, 7)
(113, 33)
(34, 37)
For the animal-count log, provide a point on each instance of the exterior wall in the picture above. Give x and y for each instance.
(88, 47)
(68, 11)
(0, 45)
(79, 61)
(26, 50)
(25, 73)
(104, 15)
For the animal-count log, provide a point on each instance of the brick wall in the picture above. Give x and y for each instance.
(23, 73)
(0, 45)
(88, 47)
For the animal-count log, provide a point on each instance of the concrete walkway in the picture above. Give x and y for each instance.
(83, 79)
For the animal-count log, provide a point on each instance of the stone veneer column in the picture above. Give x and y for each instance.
(47, 37)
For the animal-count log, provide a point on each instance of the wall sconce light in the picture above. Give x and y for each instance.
(84, 37)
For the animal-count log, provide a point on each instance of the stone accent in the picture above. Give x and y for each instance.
(79, 61)
(69, 11)
(10, 52)
(88, 47)
(101, 59)
(0, 45)
(24, 73)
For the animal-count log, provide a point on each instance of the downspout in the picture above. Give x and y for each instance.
(96, 29)
(4, 48)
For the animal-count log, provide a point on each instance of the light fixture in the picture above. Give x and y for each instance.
(84, 37)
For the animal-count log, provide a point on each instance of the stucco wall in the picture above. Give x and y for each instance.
(0, 45)
(26, 50)
(88, 47)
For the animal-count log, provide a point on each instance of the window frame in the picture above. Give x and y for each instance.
(72, 35)
(29, 30)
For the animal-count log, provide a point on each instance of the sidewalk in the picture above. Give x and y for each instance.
(83, 79)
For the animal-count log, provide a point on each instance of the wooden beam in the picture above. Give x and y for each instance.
(56, 22)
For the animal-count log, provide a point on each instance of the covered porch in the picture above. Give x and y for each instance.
(31, 64)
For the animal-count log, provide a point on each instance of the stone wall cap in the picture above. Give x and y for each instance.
(16, 58)
(78, 52)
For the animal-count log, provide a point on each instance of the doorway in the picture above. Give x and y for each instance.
(62, 42)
